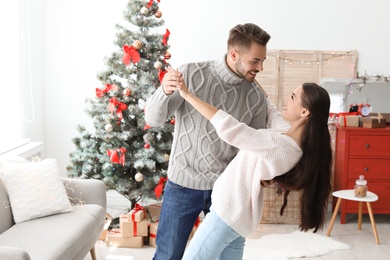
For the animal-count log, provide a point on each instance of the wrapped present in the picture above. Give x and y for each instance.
(196, 225)
(374, 122)
(129, 228)
(153, 211)
(153, 233)
(137, 214)
(349, 120)
(115, 238)
(107, 223)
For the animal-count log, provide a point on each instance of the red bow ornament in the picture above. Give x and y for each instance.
(119, 107)
(130, 54)
(165, 37)
(161, 74)
(159, 188)
(101, 92)
(117, 155)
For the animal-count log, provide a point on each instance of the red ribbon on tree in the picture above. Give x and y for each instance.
(130, 54)
(159, 188)
(101, 92)
(165, 37)
(117, 155)
(146, 127)
(161, 74)
(119, 107)
(150, 4)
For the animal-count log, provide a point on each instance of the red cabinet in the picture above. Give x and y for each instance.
(363, 151)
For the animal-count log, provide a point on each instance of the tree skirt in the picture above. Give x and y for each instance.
(286, 246)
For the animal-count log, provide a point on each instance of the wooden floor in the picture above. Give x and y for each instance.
(362, 242)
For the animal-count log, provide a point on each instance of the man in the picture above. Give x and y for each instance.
(198, 155)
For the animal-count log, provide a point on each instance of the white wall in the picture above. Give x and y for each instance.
(79, 34)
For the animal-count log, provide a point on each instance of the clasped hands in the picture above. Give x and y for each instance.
(173, 81)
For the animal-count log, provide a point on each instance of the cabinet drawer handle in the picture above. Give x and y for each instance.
(365, 169)
(367, 146)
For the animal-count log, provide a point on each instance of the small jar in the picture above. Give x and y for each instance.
(361, 187)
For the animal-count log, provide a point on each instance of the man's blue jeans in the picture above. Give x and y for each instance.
(214, 239)
(180, 209)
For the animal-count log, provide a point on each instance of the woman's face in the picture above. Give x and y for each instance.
(293, 109)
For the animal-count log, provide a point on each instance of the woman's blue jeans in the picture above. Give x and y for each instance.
(180, 209)
(214, 239)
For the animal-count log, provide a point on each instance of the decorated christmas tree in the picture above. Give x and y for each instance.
(123, 150)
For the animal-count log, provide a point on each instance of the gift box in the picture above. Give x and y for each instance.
(153, 233)
(195, 227)
(153, 211)
(349, 120)
(107, 223)
(374, 122)
(383, 115)
(115, 238)
(129, 228)
(137, 214)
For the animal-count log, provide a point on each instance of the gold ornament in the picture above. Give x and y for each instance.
(139, 177)
(166, 156)
(158, 65)
(167, 55)
(144, 10)
(127, 92)
(158, 14)
(137, 44)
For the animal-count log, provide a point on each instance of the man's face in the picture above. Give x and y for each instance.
(250, 62)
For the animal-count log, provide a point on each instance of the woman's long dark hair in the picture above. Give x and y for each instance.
(312, 173)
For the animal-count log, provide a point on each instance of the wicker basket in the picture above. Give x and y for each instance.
(273, 203)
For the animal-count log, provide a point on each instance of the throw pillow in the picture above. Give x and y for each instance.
(35, 189)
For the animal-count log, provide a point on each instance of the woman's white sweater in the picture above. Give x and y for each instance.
(237, 194)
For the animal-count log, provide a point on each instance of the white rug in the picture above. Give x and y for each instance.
(286, 246)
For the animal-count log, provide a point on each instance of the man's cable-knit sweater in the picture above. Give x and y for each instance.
(198, 155)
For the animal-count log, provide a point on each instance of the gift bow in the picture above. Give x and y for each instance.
(101, 92)
(136, 208)
(165, 37)
(130, 54)
(117, 155)
(119, 107)
(159, 188)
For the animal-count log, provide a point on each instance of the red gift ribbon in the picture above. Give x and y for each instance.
(135, 229)
(152, 235)
(159, 188)
(197, 222)
(165, 37)
(130, 54)
(136, 208)
(101, 92)
(117, 155)
(119, 107)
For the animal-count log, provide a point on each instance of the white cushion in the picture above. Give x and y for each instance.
(35, 189)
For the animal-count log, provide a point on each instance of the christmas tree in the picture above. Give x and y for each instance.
(123, 150)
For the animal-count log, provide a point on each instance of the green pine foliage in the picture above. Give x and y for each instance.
(124, 127)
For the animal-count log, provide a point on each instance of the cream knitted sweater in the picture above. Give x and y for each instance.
(198, 155)
(237, 196)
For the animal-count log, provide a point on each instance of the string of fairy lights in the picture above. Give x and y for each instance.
(356, 79)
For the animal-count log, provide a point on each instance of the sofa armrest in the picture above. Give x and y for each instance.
(86, 191)
(12, 253)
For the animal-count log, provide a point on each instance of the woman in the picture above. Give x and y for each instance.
(298, 159)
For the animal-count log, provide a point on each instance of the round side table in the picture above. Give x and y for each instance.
(349, 195)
